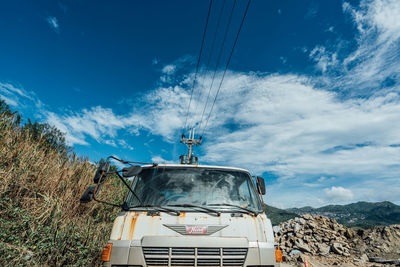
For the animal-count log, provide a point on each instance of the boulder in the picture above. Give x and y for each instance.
(296, 228)
(294, 252)
(323, 249)
(300, 220)
(337, 248)
(307, 217)
(301, 245)
(364, 258)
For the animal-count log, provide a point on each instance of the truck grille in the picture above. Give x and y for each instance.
(193, 257)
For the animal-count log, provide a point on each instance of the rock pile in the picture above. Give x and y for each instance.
(380, 241)
(322, 237)
(315, 235)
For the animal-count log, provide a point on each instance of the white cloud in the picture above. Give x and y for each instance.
(71, 138)
(8, 88)
(324, 179)
(124, 144)
(285, 125)
(17, 96)
(110, 142)
(98, 123)
(171, 72)
(162, 113)
(338, 194)
(117, 143)
(378, 16)
(53, 22)
(168, 69)
(9, 101)
(323, 58)
(376, 58)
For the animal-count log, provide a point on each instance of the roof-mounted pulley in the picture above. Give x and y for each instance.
(189, 158)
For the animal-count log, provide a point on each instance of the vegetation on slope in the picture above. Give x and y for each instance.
(360, 214)
(42, 222)
(278, 215)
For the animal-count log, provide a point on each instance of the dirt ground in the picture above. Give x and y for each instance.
(319, 261)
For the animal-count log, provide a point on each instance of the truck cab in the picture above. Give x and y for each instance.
(192, 215)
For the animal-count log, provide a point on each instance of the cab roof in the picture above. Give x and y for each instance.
(197, 166)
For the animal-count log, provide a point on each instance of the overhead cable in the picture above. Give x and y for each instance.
(227, 64)
(218, 61)
(198, 63)
(209, 59)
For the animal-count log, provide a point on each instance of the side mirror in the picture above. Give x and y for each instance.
(260, 185)
(88, 195)
(131, 171)
(102, 169)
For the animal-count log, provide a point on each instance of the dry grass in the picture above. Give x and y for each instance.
(41, 219)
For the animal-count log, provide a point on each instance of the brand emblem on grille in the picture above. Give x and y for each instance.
(196, 230)
(201, 229)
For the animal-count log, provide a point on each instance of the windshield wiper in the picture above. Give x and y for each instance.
(208, 210)
(236, 206)
(159, 208)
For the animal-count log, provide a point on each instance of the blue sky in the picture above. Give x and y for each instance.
(310, 100)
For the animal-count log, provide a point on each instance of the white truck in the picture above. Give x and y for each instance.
(188, 215)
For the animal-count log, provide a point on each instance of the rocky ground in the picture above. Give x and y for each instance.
(324, 242)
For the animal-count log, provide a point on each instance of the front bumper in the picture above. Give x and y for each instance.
(199, 251)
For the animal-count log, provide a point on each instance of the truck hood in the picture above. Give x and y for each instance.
(136, 225)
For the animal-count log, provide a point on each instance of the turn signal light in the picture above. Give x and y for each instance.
(105, 255)
(278, 255)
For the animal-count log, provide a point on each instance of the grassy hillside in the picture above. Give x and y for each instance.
(360, 214)
(42, 222)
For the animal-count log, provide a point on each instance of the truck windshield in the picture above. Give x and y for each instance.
(199, 186)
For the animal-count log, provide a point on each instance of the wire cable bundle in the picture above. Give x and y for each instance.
(217, 65)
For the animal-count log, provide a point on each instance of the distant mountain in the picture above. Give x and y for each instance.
(360, 214)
